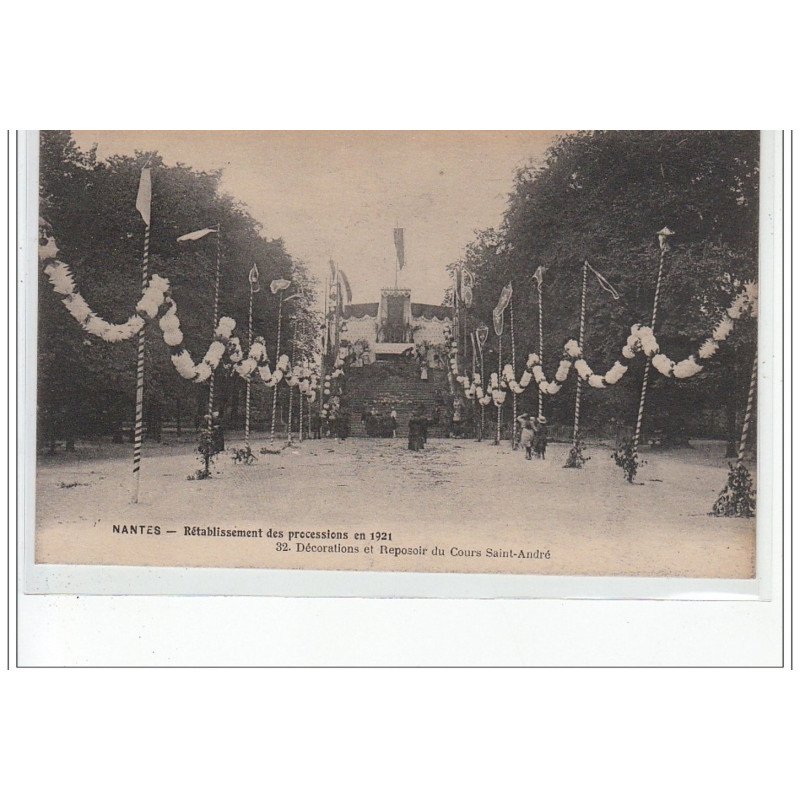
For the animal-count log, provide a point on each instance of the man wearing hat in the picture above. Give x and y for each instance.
(540, 436)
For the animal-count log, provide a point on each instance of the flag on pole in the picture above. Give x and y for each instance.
(279, 284)
(253, 278)
(538, 276)
(481, 334)
(467, 282)
(346, 293)
(604, 284)
(400, 246)
(499, 309)
(195, 235)
(144, 195)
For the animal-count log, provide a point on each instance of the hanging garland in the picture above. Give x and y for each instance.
(641, 339)
(60, 277)
(153, 300)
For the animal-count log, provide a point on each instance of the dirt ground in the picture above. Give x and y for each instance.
(485, 507)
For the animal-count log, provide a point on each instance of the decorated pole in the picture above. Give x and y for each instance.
(475, 403)
(663, 235)
(294, 342)
(277, 356)
(738, 497)
(253, 281)
(514, 368)
(481, 335)
(214, 328)
(579, 384)
(541, 340)
(143, 201)
(483, 407)
(499, 373)
(300, 392)
(748, 412)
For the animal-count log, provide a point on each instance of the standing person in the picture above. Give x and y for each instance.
(217, 433)
(393, 422)
(540, 437)
(526, 436)
(436, 417)
(343, 424)
(316, 425)
(417, 430)
(457, 416)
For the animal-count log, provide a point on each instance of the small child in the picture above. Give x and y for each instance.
(526, 435)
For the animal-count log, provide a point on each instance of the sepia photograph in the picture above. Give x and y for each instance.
(528, 353)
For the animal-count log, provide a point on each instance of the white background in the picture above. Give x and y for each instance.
(389, 733)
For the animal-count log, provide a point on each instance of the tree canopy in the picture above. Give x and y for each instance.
(86, 384)
(603, 196)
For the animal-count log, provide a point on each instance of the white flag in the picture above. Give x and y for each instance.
(279, 284)
(253, 278)
(194, 235)
(144, 195)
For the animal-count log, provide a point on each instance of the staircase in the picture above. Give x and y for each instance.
(399, 386)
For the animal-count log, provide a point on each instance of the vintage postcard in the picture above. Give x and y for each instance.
(512, 353)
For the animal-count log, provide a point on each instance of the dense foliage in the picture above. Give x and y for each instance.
(86, 385)
(602, 196)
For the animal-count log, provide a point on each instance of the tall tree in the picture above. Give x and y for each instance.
(602, 196)
(86, 385)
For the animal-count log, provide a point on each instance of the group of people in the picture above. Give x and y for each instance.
(418, 429)
(380, 422)
(533, 436)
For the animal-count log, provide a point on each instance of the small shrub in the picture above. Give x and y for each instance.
(738, 498)
(625, 458)
(243, 455)
(575, 458)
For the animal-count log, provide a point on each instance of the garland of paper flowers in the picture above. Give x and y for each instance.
(641, 339)
(328, 382)
(153, 300)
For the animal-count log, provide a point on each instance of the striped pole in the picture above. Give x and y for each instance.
(138, 424)
(541, 345)
(662, 238)
(277, 356)
(483, 407)
(247, 390)
(291, 398)
(215, 320)
(579, 385)
(475, 403)
(300, 392)
(499, 373)
(300, 412)
(513, 367)
(751, 396)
